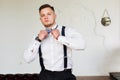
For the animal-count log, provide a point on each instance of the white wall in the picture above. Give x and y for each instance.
(19, 21)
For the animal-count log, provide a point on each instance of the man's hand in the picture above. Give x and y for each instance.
(42, 34)
(55, 33)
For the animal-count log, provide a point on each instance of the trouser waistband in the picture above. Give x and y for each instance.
(64, 71)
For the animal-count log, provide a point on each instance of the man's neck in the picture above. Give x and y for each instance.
(52, 26)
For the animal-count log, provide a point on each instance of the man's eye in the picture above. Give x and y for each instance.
(49, 14)
(42, 15)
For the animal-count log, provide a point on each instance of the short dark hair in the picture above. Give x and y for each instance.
(45, 6)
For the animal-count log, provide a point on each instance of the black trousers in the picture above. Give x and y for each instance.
(56, 75)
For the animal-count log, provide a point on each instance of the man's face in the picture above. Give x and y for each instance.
(47, 17)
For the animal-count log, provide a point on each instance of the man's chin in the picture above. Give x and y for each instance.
(48, 25)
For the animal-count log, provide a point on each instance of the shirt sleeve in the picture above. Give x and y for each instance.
(72, 39)
(31, 52)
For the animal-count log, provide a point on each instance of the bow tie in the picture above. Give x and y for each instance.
(48, 30)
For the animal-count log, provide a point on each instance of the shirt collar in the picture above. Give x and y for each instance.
(55, 26)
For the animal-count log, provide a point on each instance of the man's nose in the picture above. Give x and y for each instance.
(46, 16)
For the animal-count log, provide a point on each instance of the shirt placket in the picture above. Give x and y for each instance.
(52, 53)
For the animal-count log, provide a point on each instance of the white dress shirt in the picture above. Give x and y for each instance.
(52, 49)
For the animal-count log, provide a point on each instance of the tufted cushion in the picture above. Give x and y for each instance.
(19, 76)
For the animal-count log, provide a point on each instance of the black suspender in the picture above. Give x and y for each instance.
(41, 59)
(65, 49)
(65, 53)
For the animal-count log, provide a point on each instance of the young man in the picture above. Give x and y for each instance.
(54, 46)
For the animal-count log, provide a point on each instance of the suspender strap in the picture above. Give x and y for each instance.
(41, 59)
(65, 49)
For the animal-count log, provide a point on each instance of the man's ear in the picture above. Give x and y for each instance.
(55, 16)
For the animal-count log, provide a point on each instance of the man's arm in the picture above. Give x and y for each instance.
(72, 39)
(32, 51)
